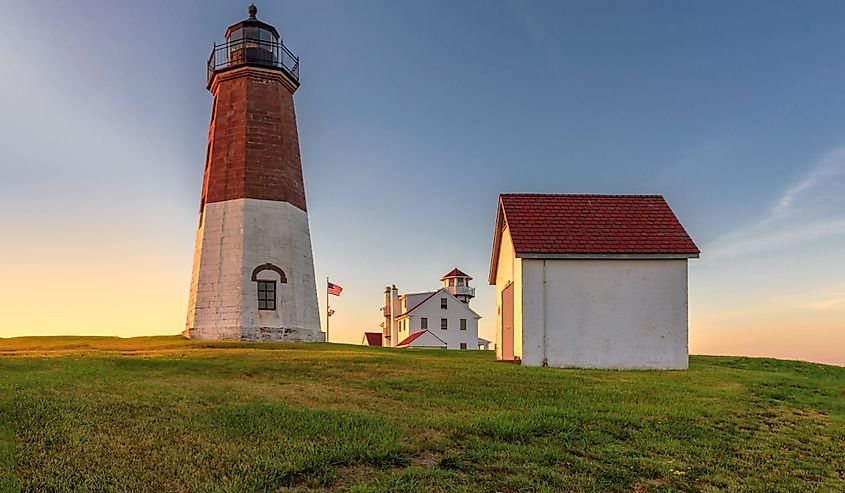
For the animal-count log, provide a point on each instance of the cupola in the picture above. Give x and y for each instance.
(457, 284)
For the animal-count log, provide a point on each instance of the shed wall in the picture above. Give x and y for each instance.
(509, 269)
(604, 313)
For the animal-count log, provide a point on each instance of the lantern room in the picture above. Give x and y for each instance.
(256, 43)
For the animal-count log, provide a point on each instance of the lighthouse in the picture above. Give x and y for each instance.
(253, 273)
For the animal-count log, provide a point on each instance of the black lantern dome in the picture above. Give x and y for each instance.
(252, 28)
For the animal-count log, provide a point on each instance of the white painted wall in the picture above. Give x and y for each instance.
(604, 313)
(454, 312)
(509, 269)
(214, 309)
(234, 238)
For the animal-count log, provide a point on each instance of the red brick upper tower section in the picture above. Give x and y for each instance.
(253, 145)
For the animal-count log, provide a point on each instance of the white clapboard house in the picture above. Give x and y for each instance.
(440, 319)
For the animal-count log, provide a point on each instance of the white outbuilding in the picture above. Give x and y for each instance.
(591, 281)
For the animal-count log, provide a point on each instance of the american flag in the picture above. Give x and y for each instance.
(334, 289)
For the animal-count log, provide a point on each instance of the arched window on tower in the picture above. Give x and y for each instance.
(265, 277)
(266, 295)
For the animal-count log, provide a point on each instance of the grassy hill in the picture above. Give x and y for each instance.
(165, 414)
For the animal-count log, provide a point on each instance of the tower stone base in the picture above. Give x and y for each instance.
(243, 241)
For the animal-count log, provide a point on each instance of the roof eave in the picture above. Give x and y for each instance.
(497, 238)
(607, 256)
(433, 293)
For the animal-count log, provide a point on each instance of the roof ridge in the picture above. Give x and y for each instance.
(420, 303)
(417, 294)
(628, 195)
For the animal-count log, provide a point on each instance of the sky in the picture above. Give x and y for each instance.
(413, 117)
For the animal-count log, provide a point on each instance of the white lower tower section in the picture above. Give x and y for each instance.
(237, 242)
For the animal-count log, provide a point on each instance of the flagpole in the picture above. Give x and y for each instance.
(327, 309)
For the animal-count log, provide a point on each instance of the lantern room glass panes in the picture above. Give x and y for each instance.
(252, 33)
(252, 44)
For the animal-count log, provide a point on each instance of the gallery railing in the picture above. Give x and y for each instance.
(254, 52)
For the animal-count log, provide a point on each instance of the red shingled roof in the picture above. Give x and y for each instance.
(600, 224)
(373, 338)
(455, 273)
(411, 338)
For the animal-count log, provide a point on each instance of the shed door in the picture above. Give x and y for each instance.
(507, 322)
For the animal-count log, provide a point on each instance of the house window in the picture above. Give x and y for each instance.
(444, 324)
(463, 345)
(266, 295)
(424, 323)
(463, 324)
(460, 281)
(443, 304)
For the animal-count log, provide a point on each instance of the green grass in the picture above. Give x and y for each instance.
(166, 414)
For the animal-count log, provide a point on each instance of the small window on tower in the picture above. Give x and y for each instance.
(266, 295)
(460, 281)
(443, 303)
(424, 323)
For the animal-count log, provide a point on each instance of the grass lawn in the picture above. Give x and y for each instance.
(166, 414)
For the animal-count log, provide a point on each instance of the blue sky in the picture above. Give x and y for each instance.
(412, 118)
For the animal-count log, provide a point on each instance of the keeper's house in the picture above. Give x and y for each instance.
(591, 281)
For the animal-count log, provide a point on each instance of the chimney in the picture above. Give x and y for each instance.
(394, 310)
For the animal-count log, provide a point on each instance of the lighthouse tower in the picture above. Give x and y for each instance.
(253, 276)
